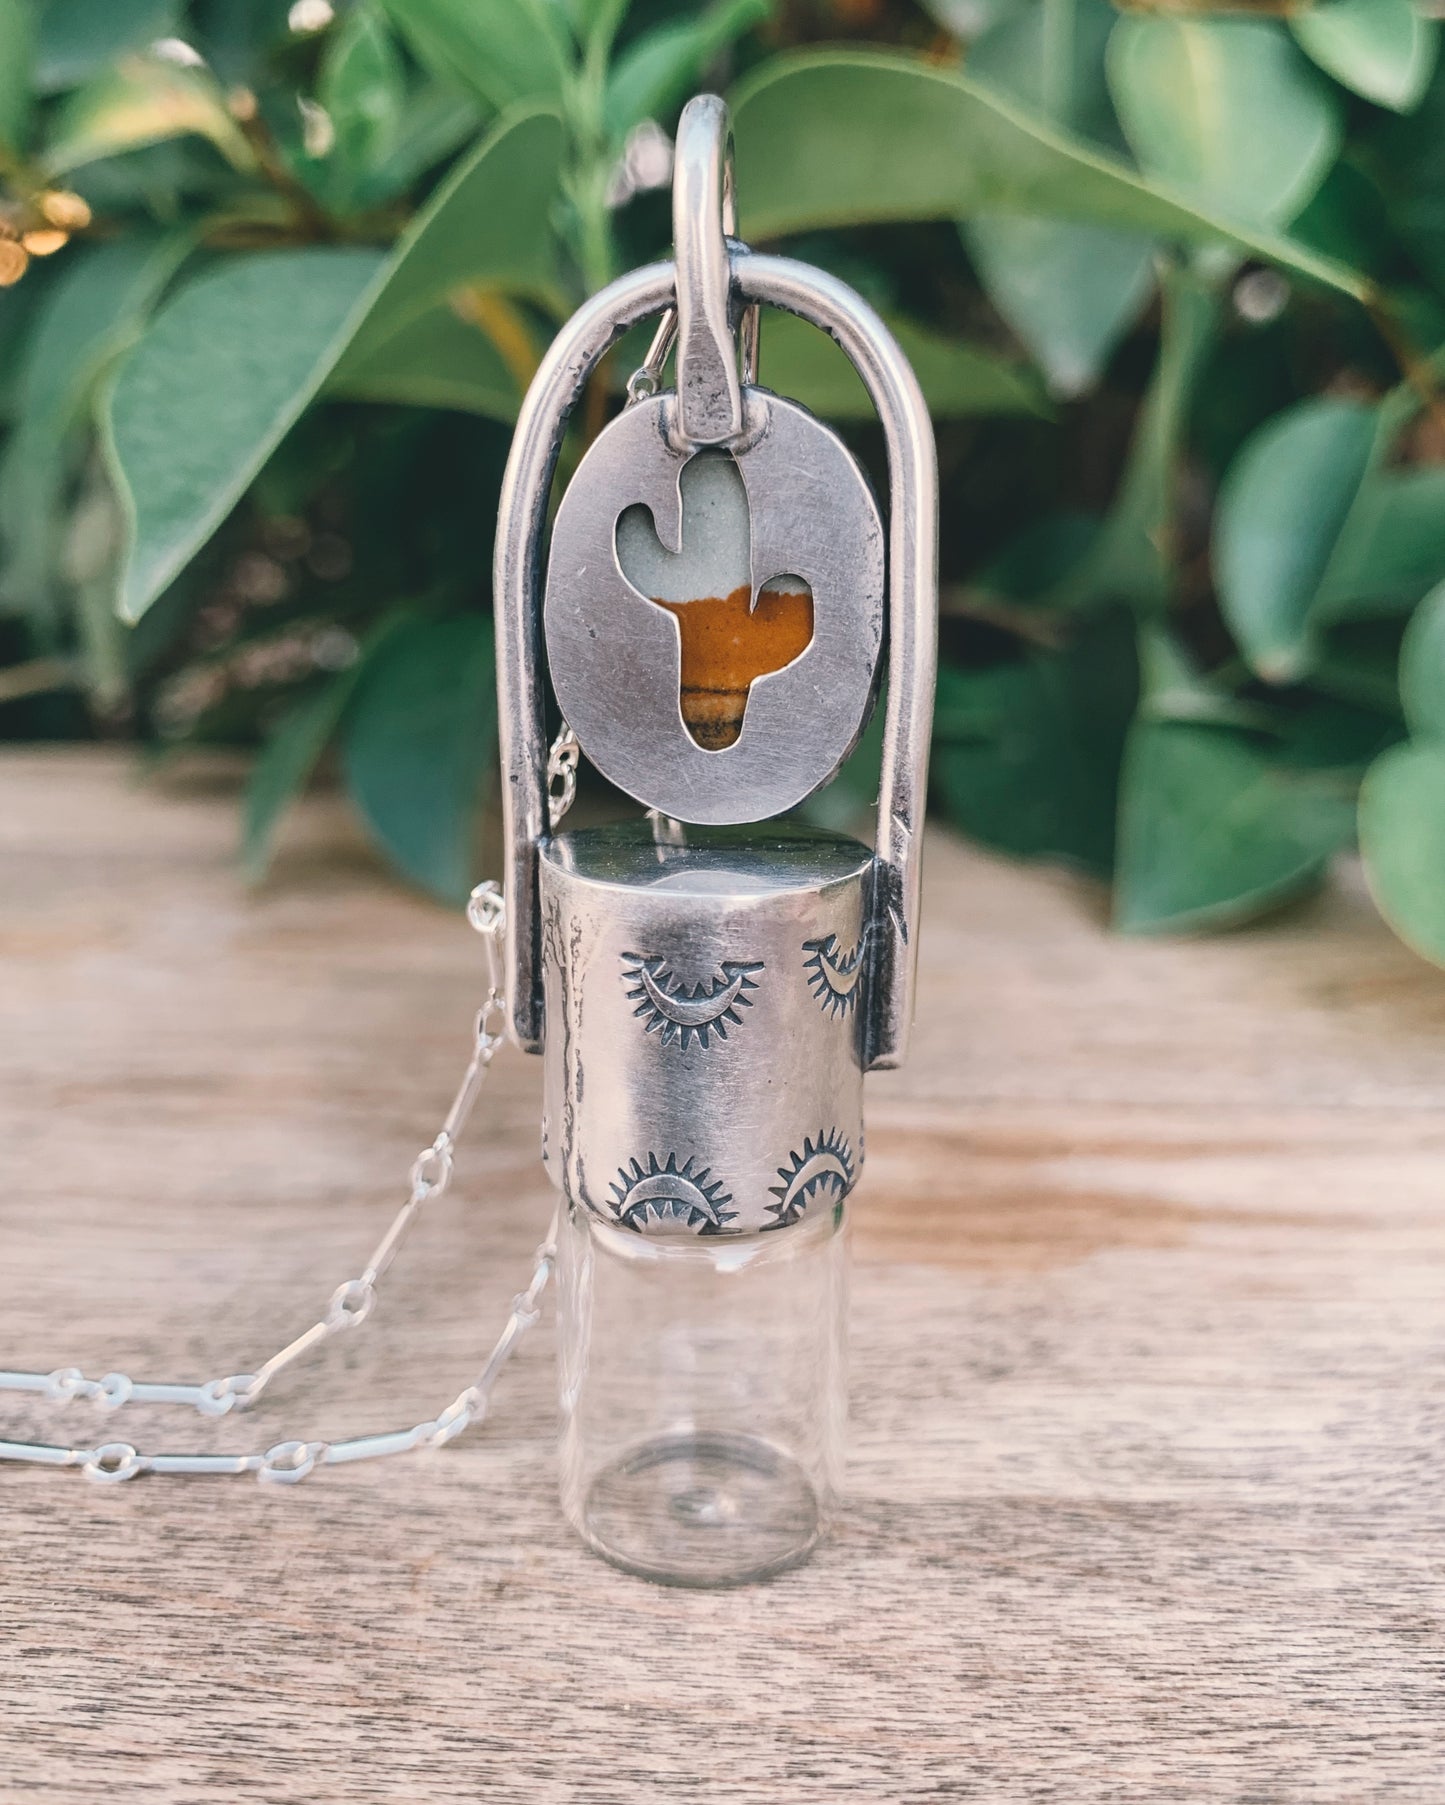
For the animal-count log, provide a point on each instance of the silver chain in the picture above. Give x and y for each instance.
(563, 757)
(286, 1462)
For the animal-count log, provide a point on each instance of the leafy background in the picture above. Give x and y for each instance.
(1173, 279)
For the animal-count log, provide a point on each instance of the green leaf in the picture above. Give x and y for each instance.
(228, 366)
(1030, 566)
(17, 50)
(662, 67)
(1406, 149)
(435, 360)
(1391, 548)
(18, 309)
(1049, 55)
(363, 88)
(1281, 509)
(1359, 663)
(282, 769)
(487, 224)
(1026, 755)
(224, 371)
(1069, 291)
(417, 744)
(435, 122)
(290, 755)
(1402, 840)
(1347, 218)
(90, 541)
(1422, 668)
(1130, 557)
(1173, 688)
(1327, 733)
(1382, 49)
(91, 314)
(956, 378)
(1212, 831)
(502, 50)
(836, 137)
(142, 100)
(242, 44)
(80, 38)
(284, 765)
(596, 21)
(1225, 109)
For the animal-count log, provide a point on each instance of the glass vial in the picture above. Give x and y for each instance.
(703, 1394)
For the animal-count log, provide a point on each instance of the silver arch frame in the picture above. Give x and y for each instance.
(518, 575)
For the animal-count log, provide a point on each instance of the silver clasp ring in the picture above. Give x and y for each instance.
(704, 226)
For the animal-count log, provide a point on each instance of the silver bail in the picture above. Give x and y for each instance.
(704, 217)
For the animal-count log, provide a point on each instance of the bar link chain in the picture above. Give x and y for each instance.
(288, 1462)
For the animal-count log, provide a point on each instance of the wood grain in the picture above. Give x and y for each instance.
(1147, 1491)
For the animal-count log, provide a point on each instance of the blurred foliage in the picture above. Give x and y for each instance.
(275, 275)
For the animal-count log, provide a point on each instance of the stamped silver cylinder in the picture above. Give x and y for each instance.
(704, 1071)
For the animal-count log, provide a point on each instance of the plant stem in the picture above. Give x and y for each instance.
(1414, 366)
(38, 677)
(596, 253)
(1041, 627)
(311, 218)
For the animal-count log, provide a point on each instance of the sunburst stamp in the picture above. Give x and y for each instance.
(667, 1195)
(824, 1168)
(833, 975)
(681, 1015)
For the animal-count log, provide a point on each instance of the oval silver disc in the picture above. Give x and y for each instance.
(805, 521)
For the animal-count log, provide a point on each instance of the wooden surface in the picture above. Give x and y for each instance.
(1148, 1461)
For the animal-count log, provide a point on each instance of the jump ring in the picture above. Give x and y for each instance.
(63, 1384)
(486, 908)
(431, 1169)
(112, 1391)
(289, 1462)
(219, 1396)
(112, 1463)
(350, 1304)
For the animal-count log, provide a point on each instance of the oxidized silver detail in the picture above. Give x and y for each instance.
(833, 975)
(685, 1015)
(666, 1196)
(824, 1168)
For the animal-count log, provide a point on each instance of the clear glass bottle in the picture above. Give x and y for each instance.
(703, 1122)
(703, 1394)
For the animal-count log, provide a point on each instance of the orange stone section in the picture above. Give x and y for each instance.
(726, 647)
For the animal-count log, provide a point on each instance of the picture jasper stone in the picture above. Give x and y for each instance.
(729, 640)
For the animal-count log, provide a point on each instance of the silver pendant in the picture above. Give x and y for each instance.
(711, 612)
(616, 655)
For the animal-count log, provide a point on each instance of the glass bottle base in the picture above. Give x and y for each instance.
(702, 1510)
